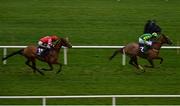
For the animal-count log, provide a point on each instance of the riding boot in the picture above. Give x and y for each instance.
(146, 48)
(44, 52)
(39, 51)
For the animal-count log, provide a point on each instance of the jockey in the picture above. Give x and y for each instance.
(146, 41)
(46, 43)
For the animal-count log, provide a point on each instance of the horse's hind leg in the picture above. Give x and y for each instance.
(33, 66)
(136, 63)
(133, 61)
(28, 63)
(36, 69)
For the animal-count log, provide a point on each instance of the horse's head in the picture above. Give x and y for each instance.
(165, 39)
(66, 43)
(63, 42)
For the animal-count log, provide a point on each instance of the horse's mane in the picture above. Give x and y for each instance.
(57, 42)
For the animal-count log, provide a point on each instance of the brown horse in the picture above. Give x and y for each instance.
(133, 51)
(30, 53)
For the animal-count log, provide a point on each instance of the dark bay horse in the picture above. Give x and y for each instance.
(30, 53)
(133, 51)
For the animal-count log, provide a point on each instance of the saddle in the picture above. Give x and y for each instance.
(42, 51)
(143, 48)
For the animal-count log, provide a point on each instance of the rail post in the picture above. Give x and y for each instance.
(123, 58)
(113, 101)
(65, 55)
(44, 101)
(177, 48)
(4, 55)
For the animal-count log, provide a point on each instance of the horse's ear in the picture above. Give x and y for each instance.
(61, 39)
(65, 39)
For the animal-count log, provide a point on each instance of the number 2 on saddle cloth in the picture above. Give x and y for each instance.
(143, 48)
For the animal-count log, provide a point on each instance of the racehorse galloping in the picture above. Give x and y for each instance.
(133, 50)
(30, 53)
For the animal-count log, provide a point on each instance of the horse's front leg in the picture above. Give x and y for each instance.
(160, 59)
(50, 69)
(151, 62)
(60, 67)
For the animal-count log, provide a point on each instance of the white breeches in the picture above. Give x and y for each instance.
(145, 42)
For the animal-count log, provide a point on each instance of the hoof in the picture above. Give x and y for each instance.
(140, 67)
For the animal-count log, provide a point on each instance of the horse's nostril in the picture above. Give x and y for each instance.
(70, 46)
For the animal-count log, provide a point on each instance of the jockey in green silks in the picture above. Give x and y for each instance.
(145, 40)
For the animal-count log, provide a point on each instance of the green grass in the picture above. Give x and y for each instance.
(102, 22)
(88, 22)
(93, 74)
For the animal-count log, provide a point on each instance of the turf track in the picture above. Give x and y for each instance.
(88, 22)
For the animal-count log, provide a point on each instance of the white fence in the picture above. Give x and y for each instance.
(113, 97)
(84, 47)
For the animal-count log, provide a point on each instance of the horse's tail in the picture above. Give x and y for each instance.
(12, 54)
(121, 50)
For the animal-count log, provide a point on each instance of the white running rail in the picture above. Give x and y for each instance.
(113, 97)
(83, 47)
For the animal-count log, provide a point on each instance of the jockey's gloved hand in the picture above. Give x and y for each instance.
(48, 46)
(149, 43)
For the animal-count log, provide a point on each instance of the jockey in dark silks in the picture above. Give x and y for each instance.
(151, 27)
(151, 30)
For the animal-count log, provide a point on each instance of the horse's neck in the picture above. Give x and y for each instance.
(58, 47)
(157, 45)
